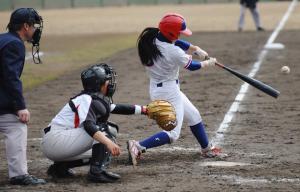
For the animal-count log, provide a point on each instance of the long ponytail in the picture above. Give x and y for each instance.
(147, 48)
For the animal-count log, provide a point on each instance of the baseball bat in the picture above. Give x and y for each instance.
(255, 83)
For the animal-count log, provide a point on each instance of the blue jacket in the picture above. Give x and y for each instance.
(12, 57)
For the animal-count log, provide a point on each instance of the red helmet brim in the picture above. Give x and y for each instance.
(186, 32)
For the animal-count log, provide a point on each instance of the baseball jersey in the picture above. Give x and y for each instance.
(166, 67)
(89, 109)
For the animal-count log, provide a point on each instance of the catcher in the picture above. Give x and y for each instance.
(80, 134)
(163, 54)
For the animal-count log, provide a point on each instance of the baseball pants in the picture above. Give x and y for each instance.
(255, 16)
(61, 144)
(15, 144)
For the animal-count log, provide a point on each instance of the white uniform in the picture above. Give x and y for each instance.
(68, 140)
(164, 84)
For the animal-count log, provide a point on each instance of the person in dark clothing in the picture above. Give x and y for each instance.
(251, 5)
(80, 134)
(24, 25)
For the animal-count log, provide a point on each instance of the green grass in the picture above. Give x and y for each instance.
(66, 54)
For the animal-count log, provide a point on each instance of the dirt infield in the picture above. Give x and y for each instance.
(263, 139)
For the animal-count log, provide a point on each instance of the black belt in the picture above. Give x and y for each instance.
(47, 129)
(161, 84)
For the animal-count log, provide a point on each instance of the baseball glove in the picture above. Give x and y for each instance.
(163, 113)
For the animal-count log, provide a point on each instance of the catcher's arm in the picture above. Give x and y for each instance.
(127, 109)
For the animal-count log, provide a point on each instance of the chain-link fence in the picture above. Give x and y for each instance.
(55, 4)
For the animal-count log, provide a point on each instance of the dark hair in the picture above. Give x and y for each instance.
(21, 16)
(147, 48)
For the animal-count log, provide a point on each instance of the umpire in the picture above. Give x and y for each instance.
(25, 25)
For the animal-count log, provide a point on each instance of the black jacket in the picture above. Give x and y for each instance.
(12, 57)
(249, 3)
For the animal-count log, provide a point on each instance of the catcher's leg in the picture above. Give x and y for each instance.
(100, 160)
(63, 169)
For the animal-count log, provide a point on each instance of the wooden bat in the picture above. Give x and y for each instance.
(255, 83)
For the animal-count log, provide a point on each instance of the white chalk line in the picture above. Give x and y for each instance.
(257, 180)
(219, 135)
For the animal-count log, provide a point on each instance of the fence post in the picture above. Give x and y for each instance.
(72, 4)
(43, 4)
(101, 3)
(12, 4)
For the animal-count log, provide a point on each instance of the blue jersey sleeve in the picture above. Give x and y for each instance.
(193, 65)
(184, 45)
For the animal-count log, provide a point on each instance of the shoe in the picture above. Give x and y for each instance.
(98, 175)
(59, 170)
(260, 29)
(26, 180)
(240, 29)
(133, 152)
(213, 152)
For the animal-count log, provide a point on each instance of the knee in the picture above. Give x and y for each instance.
(194, 118)
(173, 135)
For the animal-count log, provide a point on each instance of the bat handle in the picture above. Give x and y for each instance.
(219, 64)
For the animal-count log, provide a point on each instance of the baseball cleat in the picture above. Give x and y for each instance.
(59, 170)
(213, 152)
(103, 176)
(26, 180)
(133, 152)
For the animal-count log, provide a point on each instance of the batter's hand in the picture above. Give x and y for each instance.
(114, 149)
(200, 53)
(24, 115)
(209, 63)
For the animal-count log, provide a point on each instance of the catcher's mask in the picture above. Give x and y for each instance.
(172, 25)
(32, 18)
(95, 76)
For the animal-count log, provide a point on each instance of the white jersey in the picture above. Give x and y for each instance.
(67, 119)
(166, 68)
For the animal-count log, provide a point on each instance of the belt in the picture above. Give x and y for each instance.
(47, 129)
(161, 84)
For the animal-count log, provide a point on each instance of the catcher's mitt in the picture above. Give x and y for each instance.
(163, 113)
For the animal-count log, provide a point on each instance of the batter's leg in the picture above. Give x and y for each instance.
(166, 137)
(193, 117)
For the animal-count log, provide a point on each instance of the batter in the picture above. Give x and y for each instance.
(163, 54)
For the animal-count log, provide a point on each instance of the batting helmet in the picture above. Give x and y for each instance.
(173, 24)
(95, 76)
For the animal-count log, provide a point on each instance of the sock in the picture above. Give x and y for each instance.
(156, 140)
(199, 132)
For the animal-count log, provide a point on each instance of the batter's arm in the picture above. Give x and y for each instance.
(191, 49)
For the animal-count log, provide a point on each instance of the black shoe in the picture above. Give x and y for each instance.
(112, 175)
(58, 170)
(98, 175)
(26, 180)
(260, 29)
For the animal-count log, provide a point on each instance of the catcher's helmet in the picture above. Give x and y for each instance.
(95, 76)
(173, 24)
